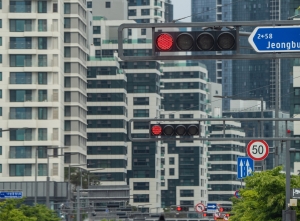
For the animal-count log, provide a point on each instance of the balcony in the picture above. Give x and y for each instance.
(20, 8)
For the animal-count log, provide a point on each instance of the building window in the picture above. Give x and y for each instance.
(107, 5)
(20, 25)
(67, 37)
(0, 41)
(1, 164)
(67, 23)
(0, 150)
(172, 171)
(42, 43)
(42, 6)
(96, 30)
(20, 152)
(0, 4)
(20, 170)
(42, 60)
(42, 78)
(143, 31)
(171, 161)
(129, 32)
(55, 7)
(67, 8)
(42, 169)
(140, 198)
(0, 93)
(141, 186)
(42, 113)
(17, 60)
(0, 58)
(20, 113)
(20, 135)
(186, 193)
(42, 95)
(145, 12)
(67, 52)
(89, 4)
(141, 113)
(97, 41)
(42, 133)
(42, 152)
(20, 78)
(0, 23)
(0, 113)
(20, 95)
(42, 25)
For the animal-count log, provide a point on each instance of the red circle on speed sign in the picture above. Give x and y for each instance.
(258, 149)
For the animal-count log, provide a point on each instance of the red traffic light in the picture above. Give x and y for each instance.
(221, 209)
(164, 42)
(204, 215)
(178, 208)
(156, 130)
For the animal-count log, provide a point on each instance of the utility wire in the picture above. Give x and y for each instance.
(175, 20)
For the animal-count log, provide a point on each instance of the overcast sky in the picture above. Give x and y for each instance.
(182, 8)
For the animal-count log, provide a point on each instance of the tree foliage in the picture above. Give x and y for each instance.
(75, 177)
(263, 197)
(15, 210)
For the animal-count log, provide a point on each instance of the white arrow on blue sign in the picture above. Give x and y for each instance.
(275, 39)
(245, 167)
(211, 207)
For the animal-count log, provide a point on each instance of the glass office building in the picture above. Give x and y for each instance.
(248, 78)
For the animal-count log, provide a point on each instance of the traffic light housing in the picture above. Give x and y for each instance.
(182, 208)
(195, 41)
(173, 130)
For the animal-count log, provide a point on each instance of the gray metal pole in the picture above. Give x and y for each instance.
(78, 204)
(262, 128)
(80, 178)
(276, 110)
(35, 176)
(47, 183)
(69, 177)
(287, 172)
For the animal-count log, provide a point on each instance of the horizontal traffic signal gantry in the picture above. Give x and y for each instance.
(195, 41)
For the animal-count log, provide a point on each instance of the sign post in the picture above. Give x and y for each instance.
(258, 149)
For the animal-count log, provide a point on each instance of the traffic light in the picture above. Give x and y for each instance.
(195, 41)
(174, 130)
(182, 208)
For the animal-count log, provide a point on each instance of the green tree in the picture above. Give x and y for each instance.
(263, 197)
(75, 177)
(15, 210)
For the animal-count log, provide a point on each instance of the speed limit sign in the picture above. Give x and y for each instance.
(258, 149)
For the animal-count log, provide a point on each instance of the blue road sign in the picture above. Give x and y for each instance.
(9, 195)
(211, 207)
(245, 167)
(275, 39)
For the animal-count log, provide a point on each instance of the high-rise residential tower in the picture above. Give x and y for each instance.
(43, 90)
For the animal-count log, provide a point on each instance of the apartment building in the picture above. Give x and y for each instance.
(184, 179)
